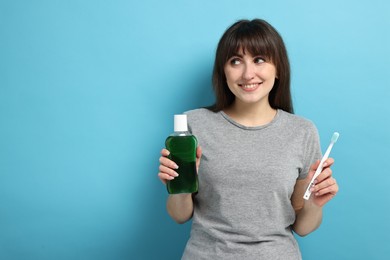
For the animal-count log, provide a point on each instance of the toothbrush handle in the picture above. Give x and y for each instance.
(318, 172)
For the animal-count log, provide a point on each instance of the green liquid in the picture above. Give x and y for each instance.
(183, 152)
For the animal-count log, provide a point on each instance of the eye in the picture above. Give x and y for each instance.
(235, 61)
(259, 60)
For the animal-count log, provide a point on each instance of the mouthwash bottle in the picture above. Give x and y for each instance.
(182, 147)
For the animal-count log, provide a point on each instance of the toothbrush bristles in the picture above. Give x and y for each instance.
(335, 136)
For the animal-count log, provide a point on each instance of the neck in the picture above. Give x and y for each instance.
(251, 114)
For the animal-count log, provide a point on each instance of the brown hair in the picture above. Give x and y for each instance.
(258, 38)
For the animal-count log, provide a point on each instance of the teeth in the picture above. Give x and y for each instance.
(250, 86)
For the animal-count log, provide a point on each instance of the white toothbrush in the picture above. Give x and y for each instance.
(335, 136)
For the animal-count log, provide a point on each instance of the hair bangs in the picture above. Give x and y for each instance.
(249, 39)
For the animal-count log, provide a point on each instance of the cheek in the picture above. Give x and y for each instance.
(274, 73)
(227, 74)
(232, 75)
(272, 83)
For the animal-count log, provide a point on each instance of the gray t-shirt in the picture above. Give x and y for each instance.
(246, 178)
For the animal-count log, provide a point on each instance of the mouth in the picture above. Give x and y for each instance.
(250, 87)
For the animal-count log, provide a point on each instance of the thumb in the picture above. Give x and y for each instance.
(313, 169)
(198, 156)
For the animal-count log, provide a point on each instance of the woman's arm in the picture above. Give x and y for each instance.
(180, 207)
(309, 212)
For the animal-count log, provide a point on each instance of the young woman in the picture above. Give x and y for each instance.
(257, 157)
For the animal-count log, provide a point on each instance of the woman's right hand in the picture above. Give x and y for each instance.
(167, 167)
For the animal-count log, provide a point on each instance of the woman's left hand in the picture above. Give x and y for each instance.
(325, 187)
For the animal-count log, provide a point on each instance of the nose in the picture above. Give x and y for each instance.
(249, 72)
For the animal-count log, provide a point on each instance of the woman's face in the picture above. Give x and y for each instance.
(250, 78)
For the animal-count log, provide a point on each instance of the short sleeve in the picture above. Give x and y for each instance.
(311, 150)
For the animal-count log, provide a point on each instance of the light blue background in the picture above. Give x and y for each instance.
(88, 90)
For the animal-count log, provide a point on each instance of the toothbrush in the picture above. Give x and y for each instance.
(335, 136)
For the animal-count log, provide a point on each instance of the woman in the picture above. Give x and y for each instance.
(257, 157)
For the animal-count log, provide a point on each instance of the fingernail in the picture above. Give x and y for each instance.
(175, 166)
(317, 193)
(175, 174)
(325, 164)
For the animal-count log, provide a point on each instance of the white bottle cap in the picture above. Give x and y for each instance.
(180, 123)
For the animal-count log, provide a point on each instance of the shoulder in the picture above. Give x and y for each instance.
(199, 111)
(202, 119)
(299, 123)
(200, 114)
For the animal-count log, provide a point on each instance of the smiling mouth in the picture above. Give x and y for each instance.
(249, 86)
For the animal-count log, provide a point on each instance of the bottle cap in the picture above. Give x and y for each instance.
(180, 123)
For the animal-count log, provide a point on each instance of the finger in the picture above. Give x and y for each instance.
(164, 177)
(198, 156)
(168, 163)
(167, 170)
(323, 199)
(198, 152)
(332, 190)
(165, 152)
(327, 186)
(325, 174)
(314, 166)
(328, 162)
(313, 169)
